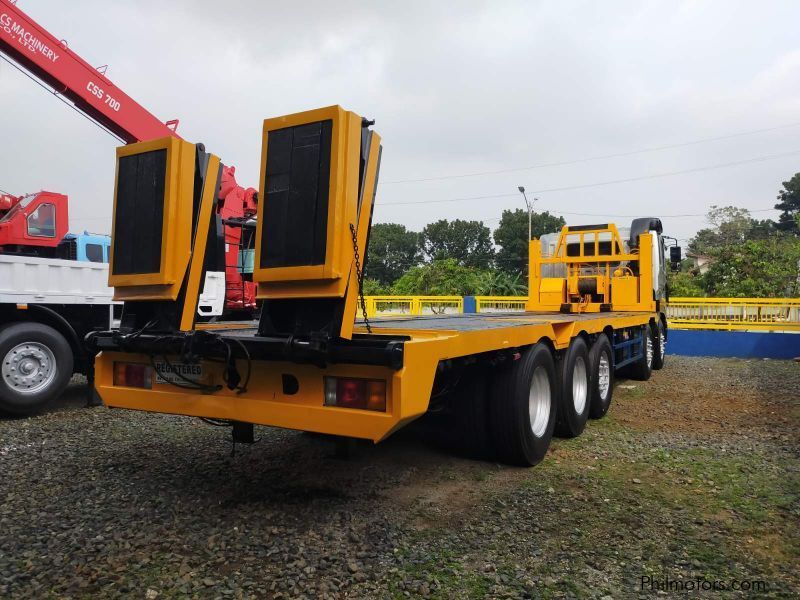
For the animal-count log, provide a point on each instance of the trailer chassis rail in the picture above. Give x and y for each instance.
(374, 350)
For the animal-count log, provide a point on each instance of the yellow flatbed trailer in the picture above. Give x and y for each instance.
(595, 307)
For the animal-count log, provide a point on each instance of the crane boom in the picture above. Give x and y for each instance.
(51, 60)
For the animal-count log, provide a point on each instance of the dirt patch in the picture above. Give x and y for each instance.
(712, 396)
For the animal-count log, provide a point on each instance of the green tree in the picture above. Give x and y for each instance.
(511, 236)
(756, 268)
(448, 278)
(373, 287)
(445, 277)
(392, 251)
(469, 243)
(685, 284)
(500, 283)
(729, 226)
(748, 258)
(789, 204)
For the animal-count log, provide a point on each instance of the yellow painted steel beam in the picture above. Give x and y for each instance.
(192, 295)
(408, 389)
(361, 225)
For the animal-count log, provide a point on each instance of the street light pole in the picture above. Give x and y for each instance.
(529, 206)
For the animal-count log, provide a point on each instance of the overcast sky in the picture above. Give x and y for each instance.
(455, 87)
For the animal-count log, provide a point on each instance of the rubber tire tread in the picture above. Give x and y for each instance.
(597, 406)
(16, 333)
(570, 424)
(472, 410)
(512, 437)
(658, 360)
(639, 371)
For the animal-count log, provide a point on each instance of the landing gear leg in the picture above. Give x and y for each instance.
(92, 397)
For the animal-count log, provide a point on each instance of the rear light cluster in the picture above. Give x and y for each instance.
(133, 375)
(364, 394)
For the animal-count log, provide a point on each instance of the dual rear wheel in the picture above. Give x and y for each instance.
(534, 397)
(511, 412)
(523, 407)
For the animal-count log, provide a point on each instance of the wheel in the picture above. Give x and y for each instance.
(573, 406)
(642, 368)
(659, 345)
(36, 367)
(523, 407)
(472, 413)
(601, 386)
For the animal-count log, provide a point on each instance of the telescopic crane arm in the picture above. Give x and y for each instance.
(51, 60)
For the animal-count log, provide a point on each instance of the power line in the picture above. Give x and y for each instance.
(593, 158)
(609, 182)
(556, 212)
(57, 95)
(574, 214)
(449, 200)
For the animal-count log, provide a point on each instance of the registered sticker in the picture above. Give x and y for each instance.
(178, 373)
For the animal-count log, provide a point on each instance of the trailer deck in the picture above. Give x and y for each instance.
(458, 323)
(311, 364)
(406, 352)
(477, 322)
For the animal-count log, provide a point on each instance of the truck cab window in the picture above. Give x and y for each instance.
(42, 221)
(94, 253)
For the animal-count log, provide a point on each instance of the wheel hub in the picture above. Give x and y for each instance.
(28, 367)
(580, 385)
(539, 401)
(603, 376)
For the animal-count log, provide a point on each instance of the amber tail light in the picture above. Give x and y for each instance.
(363, 394)
(133, 375)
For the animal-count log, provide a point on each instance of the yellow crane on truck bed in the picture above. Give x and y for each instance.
(596, 306)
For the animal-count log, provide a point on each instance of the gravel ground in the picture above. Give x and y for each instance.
(692, 474)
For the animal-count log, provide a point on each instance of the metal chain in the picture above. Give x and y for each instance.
(360, 278)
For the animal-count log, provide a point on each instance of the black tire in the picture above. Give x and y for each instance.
(600, 395)
(471, 406)
(513, 437)
(573, 406)
(659, 345)
(643, 368)
(46, 346)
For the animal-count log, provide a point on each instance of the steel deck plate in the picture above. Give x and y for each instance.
(458, 322)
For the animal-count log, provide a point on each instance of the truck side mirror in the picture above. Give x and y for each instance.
(675, 257)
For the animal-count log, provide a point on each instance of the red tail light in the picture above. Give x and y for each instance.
(364, 394)
(133, 375)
